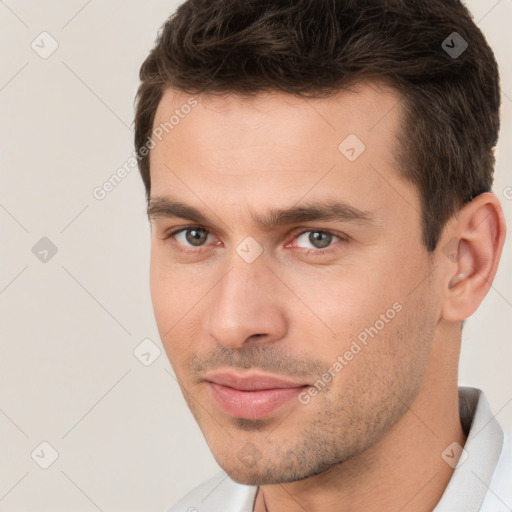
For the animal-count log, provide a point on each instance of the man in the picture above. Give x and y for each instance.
(318, 177)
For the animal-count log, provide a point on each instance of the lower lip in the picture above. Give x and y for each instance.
(251, 405)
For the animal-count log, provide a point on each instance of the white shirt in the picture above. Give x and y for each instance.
(481, 481)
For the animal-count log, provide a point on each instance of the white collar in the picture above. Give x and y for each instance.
(468, 485)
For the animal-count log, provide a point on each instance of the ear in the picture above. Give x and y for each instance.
(469, 253)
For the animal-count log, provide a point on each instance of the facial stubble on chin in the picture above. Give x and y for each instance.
(247, 425)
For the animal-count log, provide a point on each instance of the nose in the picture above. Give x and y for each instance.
(247, 305)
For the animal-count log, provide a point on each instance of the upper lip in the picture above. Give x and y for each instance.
(252, 382)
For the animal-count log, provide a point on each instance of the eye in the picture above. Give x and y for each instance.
(189, 236)
(194, 238)
(318, 238)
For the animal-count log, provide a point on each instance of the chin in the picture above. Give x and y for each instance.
(257, 478)
(269, 474)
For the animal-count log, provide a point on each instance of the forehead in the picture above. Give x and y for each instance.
(274, 125)
(276, 147)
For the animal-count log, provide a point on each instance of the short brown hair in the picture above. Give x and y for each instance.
(314, 48)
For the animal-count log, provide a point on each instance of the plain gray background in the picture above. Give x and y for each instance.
(70, 324)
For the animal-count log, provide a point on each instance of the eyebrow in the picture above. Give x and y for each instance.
(165, 207)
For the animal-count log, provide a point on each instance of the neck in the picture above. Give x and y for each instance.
(403, 471)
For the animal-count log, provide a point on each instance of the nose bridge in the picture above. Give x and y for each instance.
(245, 302)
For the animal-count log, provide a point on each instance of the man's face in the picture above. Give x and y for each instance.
(297, 344)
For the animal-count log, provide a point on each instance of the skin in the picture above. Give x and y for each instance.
(387, 416)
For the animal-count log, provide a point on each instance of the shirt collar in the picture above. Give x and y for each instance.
(468, 485)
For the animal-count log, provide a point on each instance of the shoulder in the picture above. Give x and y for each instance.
(219, 494)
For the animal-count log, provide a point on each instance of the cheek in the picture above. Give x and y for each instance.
(384, 371)
(342, 301)
(368, 317)
(176, 298)
(161, 294)
(167, 306)
(171, 289)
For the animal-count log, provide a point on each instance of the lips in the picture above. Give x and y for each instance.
(253, 396)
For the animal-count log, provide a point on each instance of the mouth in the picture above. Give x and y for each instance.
(252, 396)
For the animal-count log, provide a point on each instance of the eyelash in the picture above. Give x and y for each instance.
(314, 252)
